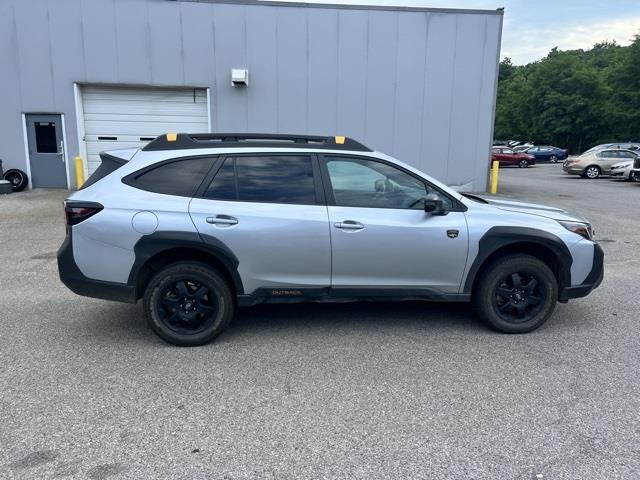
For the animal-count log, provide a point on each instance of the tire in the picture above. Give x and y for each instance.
(523, 163)
(592, 172)
(188, 304)
(506, 299)
(18, 179)
(553, 159)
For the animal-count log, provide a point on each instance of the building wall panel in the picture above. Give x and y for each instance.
(418, 84)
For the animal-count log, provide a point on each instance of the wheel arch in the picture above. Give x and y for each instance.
(156, 251)
(501, 241)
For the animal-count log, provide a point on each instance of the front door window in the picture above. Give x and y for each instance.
(371, 184)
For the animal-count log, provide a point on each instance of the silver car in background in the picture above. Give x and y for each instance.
(624, 170)
(595, 163)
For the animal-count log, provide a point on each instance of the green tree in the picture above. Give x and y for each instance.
(572, 99)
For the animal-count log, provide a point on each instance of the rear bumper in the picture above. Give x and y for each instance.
(593, 280)
(75, 280)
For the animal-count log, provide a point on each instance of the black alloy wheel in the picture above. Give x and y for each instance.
(188, 303)
(523, 163)
(519, 297)
(515, 294)
(186, 306)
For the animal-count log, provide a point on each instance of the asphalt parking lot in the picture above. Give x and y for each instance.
(365, 390)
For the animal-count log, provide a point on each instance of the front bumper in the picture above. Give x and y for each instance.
(78, 283)
(593, 280)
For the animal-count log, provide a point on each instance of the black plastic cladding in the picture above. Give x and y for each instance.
(497, 237)
(186, 141)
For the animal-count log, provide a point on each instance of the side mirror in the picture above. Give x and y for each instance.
(434, 207)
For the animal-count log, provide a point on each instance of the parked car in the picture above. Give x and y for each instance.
(623, 170)
(196, 225)
(548, 154)
(596, 148)
(635, 171)
(506, 156)
(597, 163)
(633, 146)
(522, 148)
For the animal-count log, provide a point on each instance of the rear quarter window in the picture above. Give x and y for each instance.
(177, 177)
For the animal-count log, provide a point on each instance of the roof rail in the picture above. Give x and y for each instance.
(185, 141)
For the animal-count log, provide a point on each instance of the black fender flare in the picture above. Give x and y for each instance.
(151, 245)
(499, 237)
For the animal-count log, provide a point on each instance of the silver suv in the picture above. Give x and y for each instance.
(197, 225)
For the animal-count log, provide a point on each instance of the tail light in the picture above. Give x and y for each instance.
(76, 212)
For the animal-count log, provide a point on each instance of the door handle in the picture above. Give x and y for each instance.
(222, 220)
(349, 225)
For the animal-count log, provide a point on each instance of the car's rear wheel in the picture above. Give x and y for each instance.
(516, 294)
(523, 163)
(17, 178)
(591, 172)
(553, 159)
(188, 304)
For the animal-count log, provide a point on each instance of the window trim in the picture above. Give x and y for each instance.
(131, 178)
(457, 205)
(317, 181)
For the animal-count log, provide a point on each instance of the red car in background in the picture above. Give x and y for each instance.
(507, 156)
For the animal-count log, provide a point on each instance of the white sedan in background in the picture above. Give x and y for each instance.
(624, 170)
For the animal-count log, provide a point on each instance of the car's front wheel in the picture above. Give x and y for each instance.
(553, 159)
(188, 304)
(523, 163)
(516, 293)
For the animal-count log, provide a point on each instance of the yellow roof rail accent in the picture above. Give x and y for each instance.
(172, 137)
(340, 139)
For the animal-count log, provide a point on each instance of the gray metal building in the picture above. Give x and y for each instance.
(81, 76)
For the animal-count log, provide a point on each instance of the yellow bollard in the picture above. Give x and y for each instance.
(79, 172)
(494, 177)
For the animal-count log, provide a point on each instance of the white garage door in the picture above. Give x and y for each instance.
(125, 117)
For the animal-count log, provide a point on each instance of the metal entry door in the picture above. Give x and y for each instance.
(46, 151)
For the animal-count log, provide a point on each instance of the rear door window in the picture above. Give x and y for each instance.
(265, 179)
(179, 177)
(224, 185)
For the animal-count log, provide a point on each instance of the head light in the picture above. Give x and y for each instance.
(581, 228)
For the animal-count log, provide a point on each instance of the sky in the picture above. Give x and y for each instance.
(533, 27)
